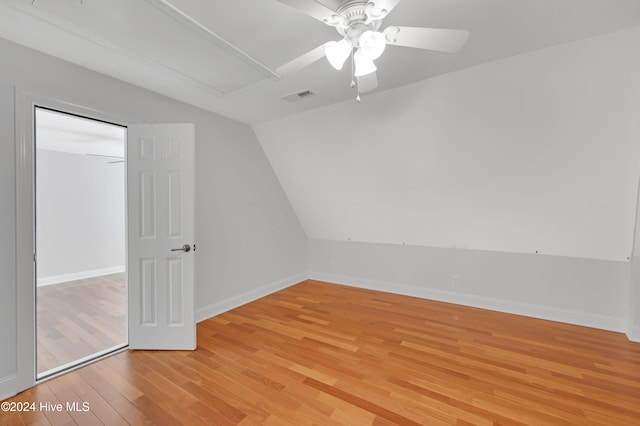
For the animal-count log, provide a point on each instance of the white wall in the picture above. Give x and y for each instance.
(249, 240)
(242, 214)
(80, 215)
(8, 289)
(588, 292)
(534, 153)
(447, 188)
(634, 299)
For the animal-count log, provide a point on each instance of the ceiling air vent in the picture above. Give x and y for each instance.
(294, 97)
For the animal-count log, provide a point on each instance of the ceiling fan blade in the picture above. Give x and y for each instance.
(302, 61)
(438, 39)
(367, 83)
(380, 8)
(314, 9)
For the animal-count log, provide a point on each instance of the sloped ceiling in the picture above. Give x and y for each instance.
(535, 153)
(222, 55)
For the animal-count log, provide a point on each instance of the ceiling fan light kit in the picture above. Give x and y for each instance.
(337, 53)
(364, 65)
(358, 22)
(372, 44)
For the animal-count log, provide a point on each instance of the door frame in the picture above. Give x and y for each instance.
(25, 103)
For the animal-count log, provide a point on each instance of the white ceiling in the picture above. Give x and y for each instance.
(221, 55)
(77, 135)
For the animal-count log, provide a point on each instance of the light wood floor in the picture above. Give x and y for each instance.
(79, 318)
(323, 354)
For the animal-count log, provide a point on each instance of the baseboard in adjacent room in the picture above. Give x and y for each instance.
(517, 308)
(225, 305)
(57, 279)
(634, 333)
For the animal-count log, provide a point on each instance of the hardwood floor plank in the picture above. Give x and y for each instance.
(44, 394)
(72, 404)
(129, 412)
(360, 403)
(79, 318)
(97, 405)
(324, 354)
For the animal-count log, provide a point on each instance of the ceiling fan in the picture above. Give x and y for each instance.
(359, 22)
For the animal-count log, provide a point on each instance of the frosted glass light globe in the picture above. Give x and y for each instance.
(337, 53)
(372, 44)
(363, 64)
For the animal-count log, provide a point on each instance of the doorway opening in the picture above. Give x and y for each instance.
(80, 240)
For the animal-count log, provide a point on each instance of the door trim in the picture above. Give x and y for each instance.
(25, 274)
(25, 102)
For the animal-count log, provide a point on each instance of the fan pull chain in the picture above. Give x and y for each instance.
(353, 79)
(353, 82)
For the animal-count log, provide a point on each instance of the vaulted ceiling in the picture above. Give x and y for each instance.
(222, 55)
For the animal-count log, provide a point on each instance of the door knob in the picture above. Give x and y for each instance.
(185, 248)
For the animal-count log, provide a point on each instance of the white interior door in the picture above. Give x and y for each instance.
(160, 258)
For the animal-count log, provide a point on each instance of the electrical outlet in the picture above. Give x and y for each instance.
(455, 279)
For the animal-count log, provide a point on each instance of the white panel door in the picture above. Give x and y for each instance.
(160, 258)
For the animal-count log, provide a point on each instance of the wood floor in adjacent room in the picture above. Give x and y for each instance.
(79, 318)
(322, 354)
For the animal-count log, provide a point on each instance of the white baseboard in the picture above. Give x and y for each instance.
(225, 305)
(79, 275)
(524, 309)
(500, 305)
(4, 394)
(634, 333)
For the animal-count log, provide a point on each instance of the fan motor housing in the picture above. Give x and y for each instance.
(356, 21)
